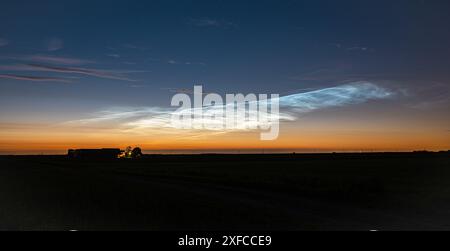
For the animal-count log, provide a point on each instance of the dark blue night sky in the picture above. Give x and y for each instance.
(64, 60)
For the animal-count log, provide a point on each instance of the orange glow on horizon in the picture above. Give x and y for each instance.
(323, 133)
(309, 141)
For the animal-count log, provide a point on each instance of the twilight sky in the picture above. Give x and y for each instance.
(77, 74)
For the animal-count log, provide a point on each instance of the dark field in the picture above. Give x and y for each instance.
(227, 192)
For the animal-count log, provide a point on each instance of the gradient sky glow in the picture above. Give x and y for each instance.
(65, 65)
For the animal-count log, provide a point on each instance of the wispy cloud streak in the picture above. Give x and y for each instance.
(74, 70)
(57, 60)
(208, 22)
(353, 93)
(49, 59)
(292, 107)
(83, 71)
(54, 44)
(33, 78)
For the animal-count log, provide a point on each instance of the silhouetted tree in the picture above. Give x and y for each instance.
(136, 153)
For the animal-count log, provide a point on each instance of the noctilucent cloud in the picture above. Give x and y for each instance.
(357, 75)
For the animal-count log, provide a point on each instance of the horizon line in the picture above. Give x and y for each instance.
(241, 152)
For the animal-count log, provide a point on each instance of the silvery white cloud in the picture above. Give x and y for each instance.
(291, 108)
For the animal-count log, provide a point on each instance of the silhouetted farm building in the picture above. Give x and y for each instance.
(105, 153)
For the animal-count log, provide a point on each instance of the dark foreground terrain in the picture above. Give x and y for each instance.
(227, 192)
